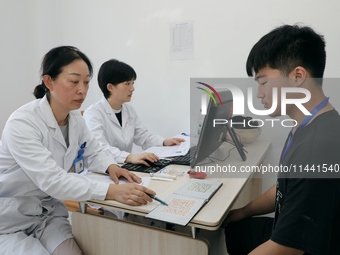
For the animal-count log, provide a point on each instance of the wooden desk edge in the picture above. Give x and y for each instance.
(213, 226)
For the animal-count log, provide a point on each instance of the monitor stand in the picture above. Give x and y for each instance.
(237, 143)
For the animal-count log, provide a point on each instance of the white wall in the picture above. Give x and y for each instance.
(19, 61)
(138, 33)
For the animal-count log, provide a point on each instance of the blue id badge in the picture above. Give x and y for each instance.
(78, 162)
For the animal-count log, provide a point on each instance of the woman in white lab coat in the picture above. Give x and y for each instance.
(39, 145)
(116, 124)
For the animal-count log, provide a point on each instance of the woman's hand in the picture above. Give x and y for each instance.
(141, 158)
(130, 194)
(115, 172)
(173, 141)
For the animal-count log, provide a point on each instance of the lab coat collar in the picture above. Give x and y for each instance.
(51, 122)
(112, 116)
(107, 106)
(47, 113)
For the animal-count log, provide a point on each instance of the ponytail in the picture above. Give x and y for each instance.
(40, 91)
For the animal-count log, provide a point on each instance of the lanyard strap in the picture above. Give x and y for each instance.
(289, 143)
(302, 125)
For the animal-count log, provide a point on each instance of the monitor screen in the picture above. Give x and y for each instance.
(215, 128)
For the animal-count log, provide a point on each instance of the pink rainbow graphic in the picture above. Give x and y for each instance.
(209, 93)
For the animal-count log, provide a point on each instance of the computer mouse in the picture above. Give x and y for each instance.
(197, 175)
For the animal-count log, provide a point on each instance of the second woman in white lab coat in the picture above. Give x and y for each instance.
(116, 124)
(39, 144)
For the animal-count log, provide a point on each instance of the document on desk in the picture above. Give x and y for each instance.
(107, 179)
(185, 202)
(171, 151)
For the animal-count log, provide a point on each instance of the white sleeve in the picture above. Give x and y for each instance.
(143, 137)
(24, 141)
(95, 124)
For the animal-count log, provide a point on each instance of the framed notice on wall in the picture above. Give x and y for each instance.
(182, 40)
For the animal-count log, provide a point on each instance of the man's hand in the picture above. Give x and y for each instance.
(234, 215)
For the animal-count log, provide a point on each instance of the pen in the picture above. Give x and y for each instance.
(157, 199)
(162, 179)
(162, 175)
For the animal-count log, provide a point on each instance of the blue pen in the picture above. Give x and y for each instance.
(184, 134)
(157, 199)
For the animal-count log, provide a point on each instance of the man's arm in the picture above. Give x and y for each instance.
(261, 205)
(272, 248)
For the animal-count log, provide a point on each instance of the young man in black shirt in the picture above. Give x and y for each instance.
(306, 200)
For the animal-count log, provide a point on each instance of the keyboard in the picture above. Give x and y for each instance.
(160, 164)
(154, 167)
(185, 159)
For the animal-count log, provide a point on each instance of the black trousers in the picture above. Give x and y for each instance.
(244, 236)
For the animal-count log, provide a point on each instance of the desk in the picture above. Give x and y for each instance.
(211, 216)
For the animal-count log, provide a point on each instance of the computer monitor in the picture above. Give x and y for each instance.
(212, 137)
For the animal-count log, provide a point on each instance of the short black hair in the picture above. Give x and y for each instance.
(114, 71)
(287, 47)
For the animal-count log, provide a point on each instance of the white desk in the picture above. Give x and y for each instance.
(210, 217)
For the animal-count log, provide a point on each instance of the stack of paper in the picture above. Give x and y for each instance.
(172, 151)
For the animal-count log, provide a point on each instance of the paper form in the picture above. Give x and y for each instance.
(182, 40)
(180, 210)
(185, 202)
(172, 151)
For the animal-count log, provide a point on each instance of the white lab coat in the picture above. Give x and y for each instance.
(102, 121)
(34, 172)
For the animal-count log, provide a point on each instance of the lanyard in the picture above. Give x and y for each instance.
(302, 125)
(78, 162)
(305, 121)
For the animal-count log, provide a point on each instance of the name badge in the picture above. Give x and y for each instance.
(78, 162)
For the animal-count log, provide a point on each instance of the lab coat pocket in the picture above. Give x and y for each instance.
(5, 203)
(7, 209)
(55, 207)
(12, 219)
